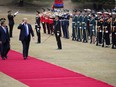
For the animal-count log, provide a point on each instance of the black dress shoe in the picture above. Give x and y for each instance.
(59, 49)
(25, 58)
(3, 58)
(6, 57)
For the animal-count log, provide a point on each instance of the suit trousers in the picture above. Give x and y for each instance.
(5, 47)
(25, 44)
(0, 49)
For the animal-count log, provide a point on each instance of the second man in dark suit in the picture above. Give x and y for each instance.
(4, 40)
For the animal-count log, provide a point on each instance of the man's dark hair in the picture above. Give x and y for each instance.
(2, 22)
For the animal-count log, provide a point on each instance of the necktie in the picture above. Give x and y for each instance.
(27, 31)
(4, 29)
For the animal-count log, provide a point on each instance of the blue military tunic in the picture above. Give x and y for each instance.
(74, 27)
(79, 21)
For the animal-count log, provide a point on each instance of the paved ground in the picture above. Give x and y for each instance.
(92, 61)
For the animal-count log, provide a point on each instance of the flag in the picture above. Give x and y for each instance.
(58, 4)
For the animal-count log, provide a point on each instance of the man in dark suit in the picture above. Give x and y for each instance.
(57, 32)
(11, 22)
(25, 32)
(4, 40)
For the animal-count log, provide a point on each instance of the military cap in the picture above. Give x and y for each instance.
(37, 11)
(80, 10)
(48, 9)
(43, 9)
(106, 13)
(93, 14)
(99, 12)
(9, 11)
(75, 10)
(89, 10)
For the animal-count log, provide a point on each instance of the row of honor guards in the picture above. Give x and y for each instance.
(100, 28)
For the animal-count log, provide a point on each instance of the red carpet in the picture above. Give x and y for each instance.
(37, 73)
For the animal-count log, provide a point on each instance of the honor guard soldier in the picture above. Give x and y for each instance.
(114, 33)
(57, 32)
(66, 24)
(51, 24)
(74, 26)
(79, 21)
(63, 25)
(84, 27)
(11, 22)
(38, 27)
(92, 29)
(107, 29)
(42, 20)
(47, 23)
(99, 29)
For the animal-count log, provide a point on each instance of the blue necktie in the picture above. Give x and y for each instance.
(4, 29)
(26, 33)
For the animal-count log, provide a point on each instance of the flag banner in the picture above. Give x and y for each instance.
(58, 4)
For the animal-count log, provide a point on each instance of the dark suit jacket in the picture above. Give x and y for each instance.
(4, 37)
(57, 27)
(22, 35)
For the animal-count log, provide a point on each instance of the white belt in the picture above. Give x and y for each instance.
(91, 24)
(73, 22)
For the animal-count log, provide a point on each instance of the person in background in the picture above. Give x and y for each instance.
(42, 20)
(38, 27)
(92, 29)
(11, 22)
(57, 32)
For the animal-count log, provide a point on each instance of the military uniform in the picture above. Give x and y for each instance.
(84, 28)
(38, 27)
(92, 30)
(66, 25)
(113, 34)
(51, 25)
(106, 37)
(57, 32)
(74, 27)
(99, 31)
(42, 19)
(63, 26)
(79, 24)
(11, 23)
(47, 24)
